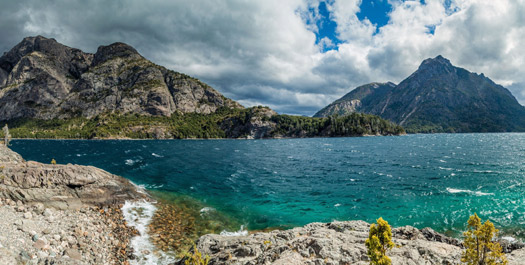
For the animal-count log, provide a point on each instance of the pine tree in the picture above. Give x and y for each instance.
(378, 242)
(479, 247)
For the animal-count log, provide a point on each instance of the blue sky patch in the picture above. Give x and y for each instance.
(376, 11)
(327, 28)
(431, 29)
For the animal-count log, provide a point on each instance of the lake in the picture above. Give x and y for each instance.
(434, 180)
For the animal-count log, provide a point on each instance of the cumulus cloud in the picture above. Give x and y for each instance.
(265, 52)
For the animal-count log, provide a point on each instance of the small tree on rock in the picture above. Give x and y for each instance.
(378, 242)
(479, 247)
(7, 136)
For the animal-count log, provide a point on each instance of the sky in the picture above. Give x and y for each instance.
(295, 56)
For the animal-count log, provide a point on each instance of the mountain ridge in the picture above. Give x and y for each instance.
(64, 82)
(50, 90)
(440, 97)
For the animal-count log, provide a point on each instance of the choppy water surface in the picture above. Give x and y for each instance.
(422, 180)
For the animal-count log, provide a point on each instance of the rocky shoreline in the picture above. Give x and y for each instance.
(62, 214)
(337, 243)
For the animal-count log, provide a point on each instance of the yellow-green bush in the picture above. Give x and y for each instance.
(480, 249)
(195, 258)
(378, 242)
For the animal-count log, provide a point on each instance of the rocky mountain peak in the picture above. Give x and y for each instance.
(390, 84)
(29, 45)
(436, 64)
(117, 49)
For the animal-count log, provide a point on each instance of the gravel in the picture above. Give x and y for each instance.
(32, 234)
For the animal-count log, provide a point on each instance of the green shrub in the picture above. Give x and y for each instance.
(479, 247)
(378, 242)
(195, 258)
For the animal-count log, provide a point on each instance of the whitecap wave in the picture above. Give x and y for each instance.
(130, 162)
(484, 171)
(477, 193)
(138, 215)
(241, 232)
(156, 155)
(151, 186)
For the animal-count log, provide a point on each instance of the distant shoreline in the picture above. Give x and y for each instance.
(196, 139)
(273, 138)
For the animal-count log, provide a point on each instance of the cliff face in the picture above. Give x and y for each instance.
(255, 124)
(43, 79)
(356, 99)
(440, 97)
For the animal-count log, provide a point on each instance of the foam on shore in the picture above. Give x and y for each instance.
(138, 214)
(241, 232)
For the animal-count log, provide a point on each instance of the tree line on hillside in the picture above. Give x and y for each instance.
(354, 124)
(195, 125)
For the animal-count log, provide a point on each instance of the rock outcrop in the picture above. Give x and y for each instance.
(255, 124)
(43, 79)
(333, 243)
(60, 186)
(356, 99)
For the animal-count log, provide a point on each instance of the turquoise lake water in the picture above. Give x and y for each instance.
(434, 180)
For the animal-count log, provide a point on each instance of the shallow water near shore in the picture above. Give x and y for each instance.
(433, 180)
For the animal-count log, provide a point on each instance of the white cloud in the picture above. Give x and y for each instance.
(265, 52)
(349, 27)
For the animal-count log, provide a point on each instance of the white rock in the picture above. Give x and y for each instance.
(28, 215)
(42, 254)
(48, 212)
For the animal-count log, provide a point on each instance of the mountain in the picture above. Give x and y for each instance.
(49, 90)
(438, 97)
(44, 79)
